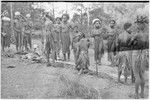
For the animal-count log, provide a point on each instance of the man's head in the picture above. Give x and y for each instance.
(142, 22)
(75, 27)
(28, 16)
(17, 13)
(58, 20)
(6, 21)
(112, 23)
(17, 16)
(16, 19)
(65, 17)
(127, 27)
(97, 23)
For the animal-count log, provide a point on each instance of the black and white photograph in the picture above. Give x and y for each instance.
(74, 49)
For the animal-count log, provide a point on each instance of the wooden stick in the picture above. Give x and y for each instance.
(96, 69)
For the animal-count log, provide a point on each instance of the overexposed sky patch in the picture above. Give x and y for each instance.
(59, 8)
(62, 7)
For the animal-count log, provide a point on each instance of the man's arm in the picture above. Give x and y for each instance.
(59, 29)
(16, 28)
(78, 49)
(93, 34)
(3, 31)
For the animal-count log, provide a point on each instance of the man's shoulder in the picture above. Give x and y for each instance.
(84, 40)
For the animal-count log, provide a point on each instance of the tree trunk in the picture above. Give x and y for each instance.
(53, 11)
(81, 16)
(11, 12)
(88, 15)
(66, 9)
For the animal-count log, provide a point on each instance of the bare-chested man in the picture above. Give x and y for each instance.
(5, 35)
(57, 32)
(65, 36)
(18, 31)
(97, 34)
(112, 36)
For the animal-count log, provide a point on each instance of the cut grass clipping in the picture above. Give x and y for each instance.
(72, 89)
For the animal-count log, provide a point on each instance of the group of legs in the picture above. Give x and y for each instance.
(52, 49)
(22, 41)
(133, 63)
(98, 51)
(5, 42)
(139, 65)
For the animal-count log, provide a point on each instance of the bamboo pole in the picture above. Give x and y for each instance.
(11, 12)
(96, 69)
(88, 15)
(66, 8)
(53, 10)
(43, 33)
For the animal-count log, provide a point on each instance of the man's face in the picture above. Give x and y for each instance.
(28, 18)
(17, 18)
(75, 29)
(58, 21)
(112, 24)
(97, 25)
(132, 29)
(64, 19)
(140, 26)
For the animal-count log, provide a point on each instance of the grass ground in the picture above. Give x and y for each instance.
(36, 80)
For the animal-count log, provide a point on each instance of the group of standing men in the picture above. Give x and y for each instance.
(61, 35)
(22, 30)
(22, 27)
(58, 37)
(124, 49)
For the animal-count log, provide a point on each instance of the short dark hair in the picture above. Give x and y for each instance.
(75, 26)
(57, 18)
(142, 19)
(16, 18)
(97, 21)
(100, 21)
(66, 16)
(113, 21)
(127, 25)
